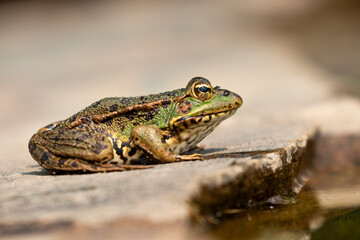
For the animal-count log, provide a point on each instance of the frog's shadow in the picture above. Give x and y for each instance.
(39, 171)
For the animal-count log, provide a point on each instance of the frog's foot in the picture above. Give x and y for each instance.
(84, 166)
(149, 138)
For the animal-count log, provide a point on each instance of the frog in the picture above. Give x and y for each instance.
(125, 133)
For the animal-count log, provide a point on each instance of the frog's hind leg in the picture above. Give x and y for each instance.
(82, 148)
(58, 164)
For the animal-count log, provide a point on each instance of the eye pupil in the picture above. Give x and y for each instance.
(203, 89)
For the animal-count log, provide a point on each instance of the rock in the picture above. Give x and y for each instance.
(32, 197)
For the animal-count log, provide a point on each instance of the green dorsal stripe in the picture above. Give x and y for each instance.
(138, 107)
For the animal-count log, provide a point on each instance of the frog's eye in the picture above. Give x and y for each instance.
(202, 91)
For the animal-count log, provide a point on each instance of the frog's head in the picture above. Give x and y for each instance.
(204, 105)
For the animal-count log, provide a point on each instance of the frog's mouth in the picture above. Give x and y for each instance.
(189, 122)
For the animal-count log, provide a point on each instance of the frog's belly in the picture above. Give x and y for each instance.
(192, 136)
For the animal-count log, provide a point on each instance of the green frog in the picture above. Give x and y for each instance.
(116, 134)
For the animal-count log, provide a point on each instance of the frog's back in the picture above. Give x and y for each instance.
(113, 104)
(133, 111)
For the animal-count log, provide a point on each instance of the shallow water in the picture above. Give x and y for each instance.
(328, 207)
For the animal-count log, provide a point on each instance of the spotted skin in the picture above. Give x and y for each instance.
(115, 134)
(183, 107)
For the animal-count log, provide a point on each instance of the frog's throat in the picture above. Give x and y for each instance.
(187, 122)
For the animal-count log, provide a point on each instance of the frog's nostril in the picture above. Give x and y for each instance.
(226, 93)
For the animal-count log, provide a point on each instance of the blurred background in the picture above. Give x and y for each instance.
(57, 57)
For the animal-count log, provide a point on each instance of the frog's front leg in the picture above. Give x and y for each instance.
(150, 139)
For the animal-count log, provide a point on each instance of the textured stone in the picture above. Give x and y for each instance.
(162, 194)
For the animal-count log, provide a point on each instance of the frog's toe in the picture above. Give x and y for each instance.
(192, 157)
(197, 156)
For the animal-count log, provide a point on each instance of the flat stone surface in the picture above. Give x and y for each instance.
(58, 60)
(160, 194)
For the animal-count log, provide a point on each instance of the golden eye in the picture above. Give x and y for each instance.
(202, 91)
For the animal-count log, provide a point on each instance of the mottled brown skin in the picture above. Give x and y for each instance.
(114, 134)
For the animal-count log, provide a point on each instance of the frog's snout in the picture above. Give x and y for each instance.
(237, 99)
